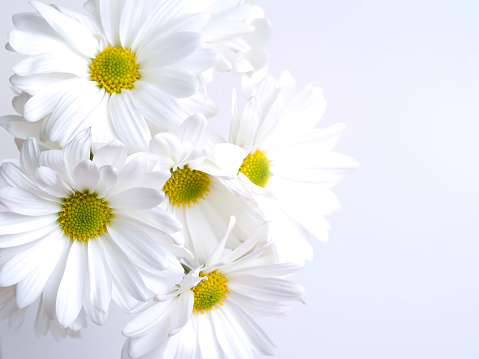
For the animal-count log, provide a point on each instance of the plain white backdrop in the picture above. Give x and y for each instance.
(399, 277)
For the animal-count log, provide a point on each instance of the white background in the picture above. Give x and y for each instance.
(399, 277)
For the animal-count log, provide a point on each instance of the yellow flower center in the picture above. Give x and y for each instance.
(210, 292)
(256, 167)
(114, 69)
(186, 186)
(84, 216)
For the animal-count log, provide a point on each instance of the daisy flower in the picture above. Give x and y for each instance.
(43, 324)
(237, 31)
(196, 190)
(286, 156)
(118, 71)
(210, 313)
(74, 230)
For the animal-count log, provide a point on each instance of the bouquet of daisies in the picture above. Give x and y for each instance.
(122, 193)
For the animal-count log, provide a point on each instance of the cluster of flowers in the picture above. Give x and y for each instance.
(122, 193)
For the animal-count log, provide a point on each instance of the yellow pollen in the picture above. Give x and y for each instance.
(256, 167)
(186, 186)
(84, 216)
(210, 292)
(114, 69)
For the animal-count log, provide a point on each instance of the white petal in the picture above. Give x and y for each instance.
(45, 100)
(177, 83)
(113, 154)
(52, 183)
(100, 277)
(274, 289)
(30, 288)
(18, 239)
(23, 202)
(183, 309)
(148, 318)
(29, 156)
(78, 149)
(136, 199)
(54, 160)
(167, 50)
(234, 344)
(86, 176)
(75, 34)
(11, 223)
(110, 14)
(207, 338)
(194, 130)
(200, 61)
(229, 157)
(108, 178)
(259, 307)
(51, 288)
(218, 253)
(133, 17)
(138, 246)
(131, 174)
(157, 106)
(72, 285)
(127, 277)
(70, 116)
(66, 63)
(255, 335)
(36, 83)
(12, 176)
(21, 265)
(36, 42)
(128, 122)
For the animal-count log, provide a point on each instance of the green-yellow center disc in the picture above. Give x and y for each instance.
(256, 167)
(84, 216)
(114, 69)
(186, 186)
(210, 292)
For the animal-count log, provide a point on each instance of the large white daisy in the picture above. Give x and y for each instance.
(118, 71)
(197, 193)
(76, 229)
(210, 313)
(286, 156)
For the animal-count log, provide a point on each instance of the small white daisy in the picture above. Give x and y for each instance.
(237, 31)
(288, 157)
(196, 192)
(79, 230)
(118, 71)
(210, 313)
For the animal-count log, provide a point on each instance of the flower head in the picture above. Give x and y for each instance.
(288, 158)
(82, 231)
(210, 313)
(119, 71)
(196, 190)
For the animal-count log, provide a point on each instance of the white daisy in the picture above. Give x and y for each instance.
(237, 31)
(43, 324)
(76, 229)
(118, 72)
(210, 313)
(288, 157)
(196, 192)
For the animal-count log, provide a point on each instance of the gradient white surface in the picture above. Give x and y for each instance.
(399, 277)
